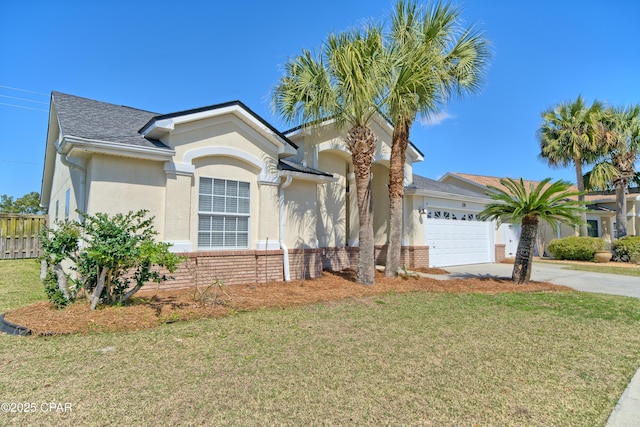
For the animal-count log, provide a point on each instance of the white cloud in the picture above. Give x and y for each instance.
(436, 119)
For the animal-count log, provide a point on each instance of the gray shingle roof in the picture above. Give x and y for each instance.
(86, 118)
(288, 165)
(422, 183)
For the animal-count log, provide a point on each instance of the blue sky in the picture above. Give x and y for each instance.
(171, 56)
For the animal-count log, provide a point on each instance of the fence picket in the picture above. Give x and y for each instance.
(20, 235)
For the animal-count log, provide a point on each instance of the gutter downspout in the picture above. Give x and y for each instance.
(83, 178)
(283, 246)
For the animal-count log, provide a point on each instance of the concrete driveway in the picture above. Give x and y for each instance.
(613, 284)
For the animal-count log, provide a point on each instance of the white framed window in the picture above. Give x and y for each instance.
(224, 208)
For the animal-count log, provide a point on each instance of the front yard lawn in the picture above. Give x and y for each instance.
(418, 358)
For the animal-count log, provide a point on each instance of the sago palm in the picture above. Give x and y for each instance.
(518, 205)
(571, 133)
(430, 57)
(343, 84)
(619, 152)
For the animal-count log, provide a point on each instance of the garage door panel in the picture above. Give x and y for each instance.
(455, 242)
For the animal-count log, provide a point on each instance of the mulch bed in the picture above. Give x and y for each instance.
(150, 308)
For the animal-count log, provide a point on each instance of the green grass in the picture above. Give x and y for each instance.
(625, 271)
(560, 359)
(20, 283)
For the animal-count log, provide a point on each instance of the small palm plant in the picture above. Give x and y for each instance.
(516, 204)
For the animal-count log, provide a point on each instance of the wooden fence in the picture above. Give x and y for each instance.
(20, 235)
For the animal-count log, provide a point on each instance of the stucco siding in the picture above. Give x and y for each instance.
(120, 184)
(227, 132)
(300, 215)
(332, 223)
(64, 179)
(380, 191)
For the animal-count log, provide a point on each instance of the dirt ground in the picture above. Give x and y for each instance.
(150, 308)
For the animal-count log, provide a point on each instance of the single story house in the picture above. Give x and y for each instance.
(244, 201)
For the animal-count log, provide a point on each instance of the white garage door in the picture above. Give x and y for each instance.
(457, 238)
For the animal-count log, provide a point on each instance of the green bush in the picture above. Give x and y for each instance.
(576, 248)
(627, 249)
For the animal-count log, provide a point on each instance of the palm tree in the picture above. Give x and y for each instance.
(547, 202)
(430, 57)
(571, 133)
(342, 84)
(619, 152)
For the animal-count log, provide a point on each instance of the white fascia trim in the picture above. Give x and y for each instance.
(449, 196)
(114, 148)
(159, 128)
(179, 168)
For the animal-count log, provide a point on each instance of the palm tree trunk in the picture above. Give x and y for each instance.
(524, 255)
(396, 195)
(584, 231)
(361, 142)
(621, 209)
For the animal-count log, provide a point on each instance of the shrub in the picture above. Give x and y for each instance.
(627, 249)
(576, 248)
(119, 255)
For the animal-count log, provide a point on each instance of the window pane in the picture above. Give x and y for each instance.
(232, 188)
(243, 224)
(204, 240)
(243, 189)
(232, 205)
(206, 186)
(230, 240)
(230, 224)
(243, 206)
(217, 223)
(205, 203)
(243, 240)
(219, 187)
(204, 223)
(216, 240)
(218, 204)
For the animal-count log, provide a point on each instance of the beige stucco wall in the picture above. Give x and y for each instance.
(413, 234)
(226, 131)
(300, 215)
(64, 179)
(121, 184)
(333, 225)
(380, 191)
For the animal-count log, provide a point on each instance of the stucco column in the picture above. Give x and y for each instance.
(178, 207)
(268, 217)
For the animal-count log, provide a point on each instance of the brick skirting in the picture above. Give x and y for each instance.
(253, 266)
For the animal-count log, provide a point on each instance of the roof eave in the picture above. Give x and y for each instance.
(71, 144)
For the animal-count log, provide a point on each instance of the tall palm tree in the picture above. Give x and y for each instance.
(430, 57)
(571, 133)
(619, 152)
(547, 202)
(342, 83)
